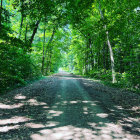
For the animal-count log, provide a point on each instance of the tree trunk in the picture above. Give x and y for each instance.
(98, 58)
(1, 15)
(33, 34)
(112, 59)
(49, 46)
(21, 24)
(26, 32)
(104, 56)
(49, 65)
(86, 61)
(91, 55)
(92, 59)
(50, 40)
(110, 49)
(22, 17)
(43, 57)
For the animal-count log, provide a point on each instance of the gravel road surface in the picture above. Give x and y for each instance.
(69, 107)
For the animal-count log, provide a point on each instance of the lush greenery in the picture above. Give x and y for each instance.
(97, 38)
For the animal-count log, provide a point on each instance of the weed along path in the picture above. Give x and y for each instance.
(68, 107)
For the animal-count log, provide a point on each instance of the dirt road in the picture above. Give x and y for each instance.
(66, 107)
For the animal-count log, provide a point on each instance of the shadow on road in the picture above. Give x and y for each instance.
(62, 107)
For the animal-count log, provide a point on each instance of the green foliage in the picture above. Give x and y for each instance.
(16, 66)
(42, 36)
(92, 57)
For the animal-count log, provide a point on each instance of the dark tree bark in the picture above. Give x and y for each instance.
(48, 47)
(22, 17)
(86, 59)
(1, 15)
(43, 56)
(33, 34)
(91, 55)
(50, 40)
(104, 56)
(107, 60)
(26, 32)
(49, 64)
(21, 24)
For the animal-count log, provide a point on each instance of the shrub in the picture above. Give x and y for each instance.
(16, 66)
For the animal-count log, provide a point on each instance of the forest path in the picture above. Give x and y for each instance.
(64, 107)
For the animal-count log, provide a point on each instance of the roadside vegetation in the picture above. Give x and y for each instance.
(99, 39)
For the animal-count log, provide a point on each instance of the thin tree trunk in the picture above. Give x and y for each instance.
(112, 59)
(86, 60)
(110, 49)
(49, 46)
(121, 68)
(104, 56)
(49, 65)
(50, 40)
(87, 56)
(21, 24)
(92, 59)
(26, 32)
(1, 15)
(92, 56)
(98, 58)
(107, 58)
(43, 57)
(22, 18)
(33, 34)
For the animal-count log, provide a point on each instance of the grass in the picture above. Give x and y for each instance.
(118, 85)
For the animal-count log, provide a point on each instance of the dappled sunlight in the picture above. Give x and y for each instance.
(54, 113)
(135, 108)
(19, 96)
(119, 107)
(64, 132)
(108, 132)
(93, 104)
(65, 102)
(64, 114)
(85, 109)
(102, 115)
(7, 128)
(86, 101)
(4, 106)
(14, 120)
(34, 125)
(45, 107)
(52, 124)
(130, 120)
(35, 102)
(73, 102)
(67, 119)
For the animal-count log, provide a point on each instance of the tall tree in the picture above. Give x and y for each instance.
(1, 14)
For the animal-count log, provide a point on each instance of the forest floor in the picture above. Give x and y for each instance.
(69, 107)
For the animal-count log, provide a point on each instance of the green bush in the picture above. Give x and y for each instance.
(16, 66)
(101, 74)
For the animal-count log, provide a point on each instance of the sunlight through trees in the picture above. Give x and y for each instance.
(95, 38)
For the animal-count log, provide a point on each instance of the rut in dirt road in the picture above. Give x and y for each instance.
(64, 107)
